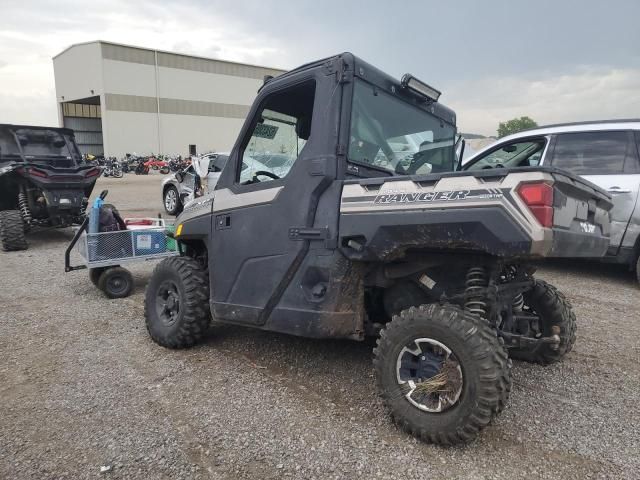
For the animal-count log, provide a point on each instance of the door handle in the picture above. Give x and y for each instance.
(617, 190)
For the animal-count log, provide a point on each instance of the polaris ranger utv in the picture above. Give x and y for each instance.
(43, 181)
(370, 232)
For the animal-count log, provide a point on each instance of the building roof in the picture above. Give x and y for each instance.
(164, 51)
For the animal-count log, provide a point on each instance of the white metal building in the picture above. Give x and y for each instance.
(122, 99)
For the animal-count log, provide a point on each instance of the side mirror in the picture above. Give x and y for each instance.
(180, 176)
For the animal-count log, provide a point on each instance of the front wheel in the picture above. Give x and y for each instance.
(12, 231)
(176, 305)
(442, 373)
(172, 203)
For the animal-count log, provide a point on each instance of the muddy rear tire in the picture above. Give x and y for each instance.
(176, 306)
(554, 310)
(470, 362)
(12, 236)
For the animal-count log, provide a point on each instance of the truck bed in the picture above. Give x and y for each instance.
(481, 211)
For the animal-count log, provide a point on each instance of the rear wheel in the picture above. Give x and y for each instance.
(176, 305)
(638, 269)
(12, 236)
(555, 317)
(116, 282)
(442, 373)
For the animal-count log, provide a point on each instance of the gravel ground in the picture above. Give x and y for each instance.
(83, 387)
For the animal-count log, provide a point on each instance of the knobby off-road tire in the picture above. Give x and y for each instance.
(485, 367)
(12, 235)
(176, 304)
(554, 310)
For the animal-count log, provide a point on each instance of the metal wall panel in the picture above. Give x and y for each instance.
(185, 62)
(128, 54)
(130, 103)
(206, 109)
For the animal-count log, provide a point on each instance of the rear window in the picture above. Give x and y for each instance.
(595, 153)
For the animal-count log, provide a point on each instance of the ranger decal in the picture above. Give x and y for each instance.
(441, 196)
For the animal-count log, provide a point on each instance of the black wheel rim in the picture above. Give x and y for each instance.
(117, 284)
(429, 375)
(168, 302)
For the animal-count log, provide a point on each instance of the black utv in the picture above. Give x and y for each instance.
(44, 181)
(370, 231)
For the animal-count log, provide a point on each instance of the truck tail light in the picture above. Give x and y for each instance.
(539, 199)
(93, 172)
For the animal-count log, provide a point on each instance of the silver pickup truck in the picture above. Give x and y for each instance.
(606, 153)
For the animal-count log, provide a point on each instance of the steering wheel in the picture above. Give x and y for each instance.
(266, 174)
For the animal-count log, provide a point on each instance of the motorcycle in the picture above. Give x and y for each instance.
(112, 168)
(142, 168)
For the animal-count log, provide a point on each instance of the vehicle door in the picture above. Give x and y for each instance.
(186, 184)
(215, 167)
(265, 219)
(610, 160)
(522, 152)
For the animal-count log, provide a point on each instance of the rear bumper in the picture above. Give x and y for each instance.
(566, 243)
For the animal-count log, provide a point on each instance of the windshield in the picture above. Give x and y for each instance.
(391, 134)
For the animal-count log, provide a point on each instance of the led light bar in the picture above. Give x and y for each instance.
(412, 83)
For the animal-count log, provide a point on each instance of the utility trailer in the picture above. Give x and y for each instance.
(370, 231)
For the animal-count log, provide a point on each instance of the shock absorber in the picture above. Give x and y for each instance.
(518, 303)
(475, 293)
(23, 205)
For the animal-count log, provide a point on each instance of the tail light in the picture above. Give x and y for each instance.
(539, 199)
(93, 172)
(37, 173)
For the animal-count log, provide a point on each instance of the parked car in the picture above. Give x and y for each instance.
(180, 188)
(606, 153)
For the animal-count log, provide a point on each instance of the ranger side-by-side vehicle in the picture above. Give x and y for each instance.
(369, 232)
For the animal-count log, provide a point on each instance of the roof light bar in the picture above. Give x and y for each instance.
(412, 83)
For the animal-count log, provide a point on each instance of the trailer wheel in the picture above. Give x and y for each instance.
(12, 235)
(176, 306)
(555, 317)
(94, 274)
(116, 282)
(442, 373)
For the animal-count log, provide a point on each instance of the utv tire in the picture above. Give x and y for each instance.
(171, 200)
(481, 390)
(12, 235)
(116, 282)
(554, 310)
(94, 275)
(176, 306)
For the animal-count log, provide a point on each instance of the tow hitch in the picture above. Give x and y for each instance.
(512, 340)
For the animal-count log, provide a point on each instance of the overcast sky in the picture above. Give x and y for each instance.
(493, 60)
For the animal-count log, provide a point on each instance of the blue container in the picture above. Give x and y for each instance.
(148, 242)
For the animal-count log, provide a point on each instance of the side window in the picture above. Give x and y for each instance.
(591, 152)
(280, 133)
(523, 153)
